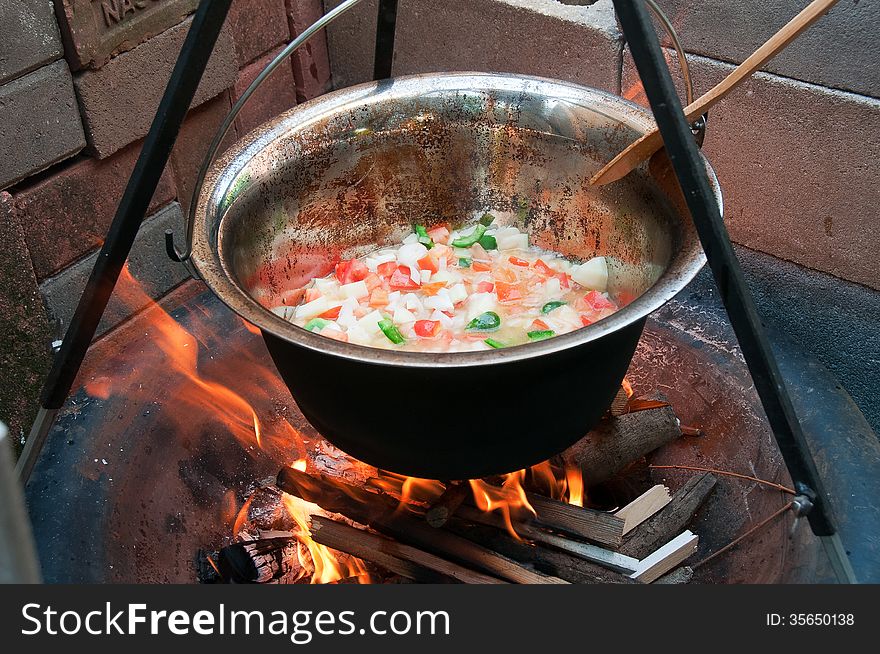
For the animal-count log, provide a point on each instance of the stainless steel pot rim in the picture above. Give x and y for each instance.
(214, 271)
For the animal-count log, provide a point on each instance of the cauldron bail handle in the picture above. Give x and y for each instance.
(182, 256)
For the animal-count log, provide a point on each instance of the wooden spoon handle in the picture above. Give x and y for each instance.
(648, 144)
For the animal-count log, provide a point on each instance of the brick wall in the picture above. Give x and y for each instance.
(80, 81)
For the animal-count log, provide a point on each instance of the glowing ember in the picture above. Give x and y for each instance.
(627, 387)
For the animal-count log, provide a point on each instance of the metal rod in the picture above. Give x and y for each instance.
(741, 310)
(386, 25)
(18, 554)
(178, 96)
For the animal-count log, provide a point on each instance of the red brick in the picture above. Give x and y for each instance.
(257, 26)
(25, 336)
(275, 95)
(119, 101)
(67, 214)
(192, 143)
(93, 31)
(311, 63)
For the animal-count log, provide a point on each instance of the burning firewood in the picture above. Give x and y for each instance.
(265, 561)
(404, 560)
(674, 517)
(618, 441)
(593, 525)
(446, 505)
(379, 511)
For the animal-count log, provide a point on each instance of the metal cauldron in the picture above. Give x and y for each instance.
(352, 170)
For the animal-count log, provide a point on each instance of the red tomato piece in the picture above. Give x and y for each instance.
(401, 281)
(428, 263)
(564, 280)
(586, 322)
(539, 325)
(507, 292)
(544, 269)
(427, 328)
(598, 301)
(516, 261)
(331, 314)
(485, 287)
(350, 271)
(386, 269)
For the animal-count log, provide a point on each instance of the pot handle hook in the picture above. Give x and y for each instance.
(181, 256)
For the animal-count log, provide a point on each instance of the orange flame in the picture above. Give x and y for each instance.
(509, 499)
(575, 482)
(627, 387)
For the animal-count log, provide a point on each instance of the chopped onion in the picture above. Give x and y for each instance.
(480, 303)
(402, 316)
(593, 274)
(313, 308)
(354, 289)
(458, 293)
(370, 322)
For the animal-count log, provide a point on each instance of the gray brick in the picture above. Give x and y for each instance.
(119, 100)
(30, 37)
(39, 122)
(148, 264)
(533, 37)
(839, 51)
(798, 169)
(24, 330)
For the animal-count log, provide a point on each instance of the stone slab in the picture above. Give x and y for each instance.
(96, 30)
(257, 26)
(830, 319)
(39, 122)
(25, 337)
(30, 37)
(311, 63)
(839, 51)
(67, 214)
(535, 37)
(148, 264)
(798, 169)
(119, 101)
(275, 95)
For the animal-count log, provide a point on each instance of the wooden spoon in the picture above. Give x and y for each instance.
(648, 144)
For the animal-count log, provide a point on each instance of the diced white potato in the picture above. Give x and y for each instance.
(312, 309)
(458, 293)
(480, 303)
(439, 302)
(370, 322)
(327, 286)
(412, 302)
(510, 238)
(593, 274)
(357, 334)
(283, 312)
(445, 320)
(354, 289)
(402, 316)
(376, 260)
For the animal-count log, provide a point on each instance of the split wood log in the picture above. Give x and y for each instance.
(407, 561)
(674, 517)
(661, 561)
(379, 511)
(447, 504)
(643, 507)
(618, 441)
(547, 560)
(598, 526)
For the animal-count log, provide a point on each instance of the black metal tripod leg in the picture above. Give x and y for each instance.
(386, 24)
(691, 174)
(179, 93)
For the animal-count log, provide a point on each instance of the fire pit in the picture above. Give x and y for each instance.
(154, 455)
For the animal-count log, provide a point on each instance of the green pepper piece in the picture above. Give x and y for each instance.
(488, 242)
(392, 332)
(470, 239)
(424, 239)
(485, 322)
(316, 324)
(465, 262)
(487, 219)
(555, 304)
(491, 342)
(541, 334)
